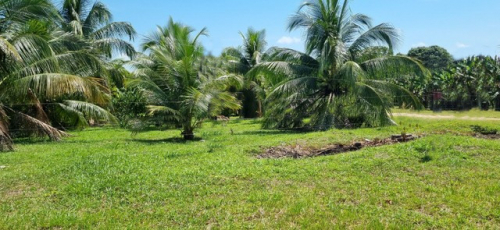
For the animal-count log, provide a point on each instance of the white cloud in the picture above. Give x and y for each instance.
(462, 45)
(289, 40)
(420, 44)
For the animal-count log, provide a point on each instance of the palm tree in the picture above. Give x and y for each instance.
(92, 20)
(330, 83)
(180, 84)
(42, 70)
(241, 61)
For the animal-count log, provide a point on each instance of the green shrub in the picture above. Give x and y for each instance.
(484, 130)
(129, 104)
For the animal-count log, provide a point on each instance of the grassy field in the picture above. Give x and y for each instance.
(105, 178)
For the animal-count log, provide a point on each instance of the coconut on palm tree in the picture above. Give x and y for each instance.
(330, 83)
(177, 78)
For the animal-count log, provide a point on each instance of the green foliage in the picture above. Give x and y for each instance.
(129, 104)
(370, 53)
(434, 58)
(182, 84)
(240, 61)
(342, 79)
(51, 77)
(92, 21)
(484, 130)
(472, 82)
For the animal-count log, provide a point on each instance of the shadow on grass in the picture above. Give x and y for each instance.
(32, 141)
(173, 140)
(273, 132)
(426, 159)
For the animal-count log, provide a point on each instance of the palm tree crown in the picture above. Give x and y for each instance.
(330, 82)
(93, 21)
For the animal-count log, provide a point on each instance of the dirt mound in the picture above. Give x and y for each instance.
(298, 151)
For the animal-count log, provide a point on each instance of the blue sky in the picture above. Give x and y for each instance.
(463, 27)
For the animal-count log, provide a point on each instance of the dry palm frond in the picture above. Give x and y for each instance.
(39, 112)
(5, 139)
(8, 49)
(39, 128)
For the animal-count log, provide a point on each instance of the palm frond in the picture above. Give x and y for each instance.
(37, 127)
(38, 108)
(69, 115)
(9, 50)
(32, 47)
(115, 29)
(114, 45)
(80, 63)
(375, 103)
(383, 34)
(164, 110)
(53, 85)
(293, 56)
(5, 139)
(91, 111)
(400, 95)
(394, 66)
(279, 71)
(230, 80)
(98, 15)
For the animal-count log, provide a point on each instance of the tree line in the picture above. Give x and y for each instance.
(58, 71)
(472, 82)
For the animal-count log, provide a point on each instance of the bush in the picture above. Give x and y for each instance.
(129, 104)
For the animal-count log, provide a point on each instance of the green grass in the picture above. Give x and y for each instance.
(104, 178)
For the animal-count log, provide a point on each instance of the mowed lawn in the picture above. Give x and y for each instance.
(105, 178)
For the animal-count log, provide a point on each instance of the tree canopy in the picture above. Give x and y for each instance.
(435, 58)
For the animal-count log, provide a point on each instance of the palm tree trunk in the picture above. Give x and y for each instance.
(250, 104)
(188, 135)
(260, 108)
(497, 104)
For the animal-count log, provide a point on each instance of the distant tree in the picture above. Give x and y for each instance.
(435, 58)
(471, 82)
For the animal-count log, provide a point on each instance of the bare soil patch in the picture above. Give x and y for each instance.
(299, 151)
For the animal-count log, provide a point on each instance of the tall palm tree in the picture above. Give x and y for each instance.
(175, 75)
(241, 61)
(330, 83)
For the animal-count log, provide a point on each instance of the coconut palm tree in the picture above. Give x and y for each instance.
(43, 69)
(175, 75)
(241, 60)
(329, 82)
